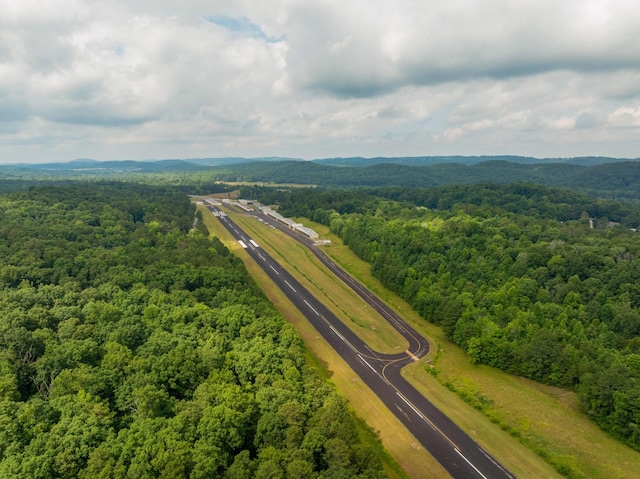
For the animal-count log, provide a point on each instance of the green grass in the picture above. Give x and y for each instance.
(402, 446)
(406, 457)
(534, 430)
(338, 297)
(545, 420)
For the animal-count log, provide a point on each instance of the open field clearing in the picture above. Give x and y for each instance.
(266, 183)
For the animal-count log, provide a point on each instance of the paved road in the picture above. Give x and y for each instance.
(461, 456)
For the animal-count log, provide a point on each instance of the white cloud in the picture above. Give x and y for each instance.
(626, 117)
(312, 78)
(356, 52)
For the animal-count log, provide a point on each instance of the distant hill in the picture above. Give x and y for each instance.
(88, 166)
(606, 177)
(236, 160)
(613, 179)
(358, 161)
(152, 166)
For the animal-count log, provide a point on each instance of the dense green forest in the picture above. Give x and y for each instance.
(620, 180)
(134, 346)
(535, 281)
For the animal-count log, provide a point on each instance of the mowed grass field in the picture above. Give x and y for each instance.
(546, 418)
(406, 459)
(338, 297)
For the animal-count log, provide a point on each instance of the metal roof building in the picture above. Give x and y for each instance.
(308, 232)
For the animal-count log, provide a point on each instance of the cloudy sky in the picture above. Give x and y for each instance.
(140, 79)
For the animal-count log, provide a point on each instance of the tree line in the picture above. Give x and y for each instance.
(619, 180)
(535, 281)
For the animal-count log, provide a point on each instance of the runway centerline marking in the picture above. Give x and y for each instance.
(397, 323)
(310, 307)
(370, 367)
(469, 462)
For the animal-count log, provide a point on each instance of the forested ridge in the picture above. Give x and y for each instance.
(619, 180)
(535, 281)
(599, 177)
(131, 346)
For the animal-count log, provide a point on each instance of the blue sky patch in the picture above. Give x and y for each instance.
(243, 26)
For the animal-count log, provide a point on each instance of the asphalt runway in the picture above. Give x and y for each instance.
(460, 455)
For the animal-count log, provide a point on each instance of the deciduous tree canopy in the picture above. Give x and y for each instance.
(133, 347)
(531, 280)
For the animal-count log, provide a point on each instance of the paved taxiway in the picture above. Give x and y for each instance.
(461, 456)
